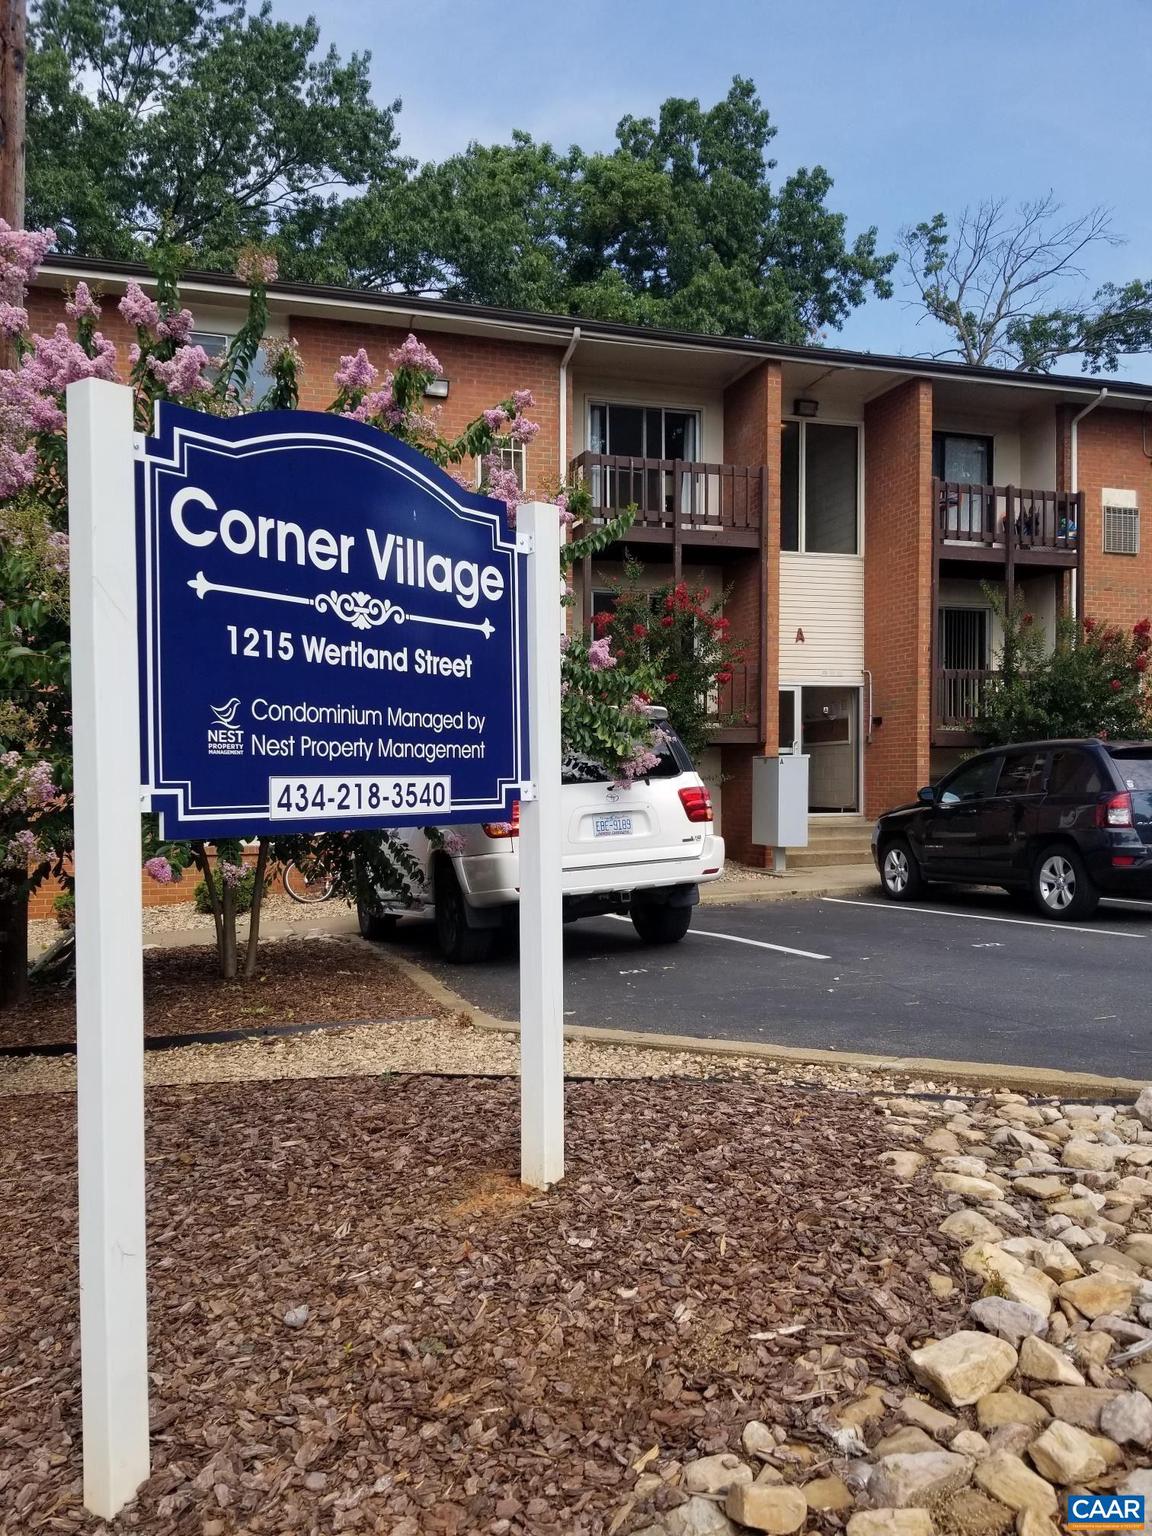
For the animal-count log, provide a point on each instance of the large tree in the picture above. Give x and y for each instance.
(214, 127)
(193, 119)
(1007, 286)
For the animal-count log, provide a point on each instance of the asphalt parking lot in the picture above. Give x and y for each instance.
(965, 976)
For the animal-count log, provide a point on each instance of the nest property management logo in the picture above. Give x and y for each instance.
(225, 738)
(1104, 1512)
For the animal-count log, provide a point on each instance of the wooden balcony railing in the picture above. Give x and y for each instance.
(736, 705)
(1007, 515)
(960, 696)
(676, 498)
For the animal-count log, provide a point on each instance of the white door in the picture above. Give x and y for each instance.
(790, 731)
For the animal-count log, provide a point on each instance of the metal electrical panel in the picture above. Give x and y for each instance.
(780, 801)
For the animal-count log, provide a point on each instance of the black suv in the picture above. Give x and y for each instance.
(1069, 821)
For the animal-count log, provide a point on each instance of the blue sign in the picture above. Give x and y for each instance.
(331, 631)
(1104, 1512)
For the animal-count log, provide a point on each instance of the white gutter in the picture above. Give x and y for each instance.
(563, 413)
(1074, 475)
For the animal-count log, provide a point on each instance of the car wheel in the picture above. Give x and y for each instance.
(1061, 885)
(661, 924)
(375, 925)
(900, 875)
(458, 943)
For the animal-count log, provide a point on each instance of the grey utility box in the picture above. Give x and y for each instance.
(780, 801)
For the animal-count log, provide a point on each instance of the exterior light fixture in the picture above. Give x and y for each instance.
(436, 389)
(802, 406)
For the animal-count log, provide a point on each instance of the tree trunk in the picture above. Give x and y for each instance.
(13, 946)
(200, 856)
(228, 925)
(13, 58)
(254, 915)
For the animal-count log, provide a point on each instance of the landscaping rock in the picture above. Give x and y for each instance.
(1008, 1479)
(1142, 1108)
(1011, 1320)
(1031, 1289)
(828, 1494)
(972, 1513)
(778, 1511)
(969, 1443)
(1013, 1437)
(1041, 1362)
(970, 1227)
(915, 1410)
(757, 1439)
(966, 1185)
(699, 1517)
(1081, 1406)
(1009, 1407)
(988, 1261)
(1093, 1295)
(1043, 1187)
(1128, 1420)
(1065, 1455)
(891, 1522)
(903, 1441)
(964, 1367)
(1029, 1523)
(1139, 1247)
(716, 1474)
(1088, 1154)
(918, 1479)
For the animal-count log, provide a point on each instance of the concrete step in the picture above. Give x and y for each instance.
(822, 858)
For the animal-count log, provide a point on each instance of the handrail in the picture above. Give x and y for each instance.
(968, 513)
(666, 493)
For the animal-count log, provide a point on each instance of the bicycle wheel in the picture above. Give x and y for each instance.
(308, 882)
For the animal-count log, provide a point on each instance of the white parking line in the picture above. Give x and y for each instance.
(734, 938)
(982, 917)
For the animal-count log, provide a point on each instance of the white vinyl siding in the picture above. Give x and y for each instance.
(823, 595)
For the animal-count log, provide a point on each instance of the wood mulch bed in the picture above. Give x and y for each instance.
(474, 1358)
(299, 981)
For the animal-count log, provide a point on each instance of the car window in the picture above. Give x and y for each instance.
(973, 781)
(671, 760)
(1075, 774)
(1022, 773)
(1135, 769)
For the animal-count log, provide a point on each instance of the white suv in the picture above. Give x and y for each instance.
(641, 849)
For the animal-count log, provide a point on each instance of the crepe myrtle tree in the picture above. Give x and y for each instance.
(603, 714)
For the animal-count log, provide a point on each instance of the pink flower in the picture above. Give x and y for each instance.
(414, 354)
(183, 374)
(21, 252)
(57, 551)
(17, 470)
(562, 507)
(376, 403)
(82, 306)
(231, 874)
(523, 400)
(57, 361)
(13, 319)
(496, 417)
(503, 485)
(159, 869)
(355, 374)
(522, 430)
(636, 767)
(256, 267)
(138, 309)
(453, 843)
(600, 656)
(176, 326)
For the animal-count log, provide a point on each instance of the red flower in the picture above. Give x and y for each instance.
(671, 677)
(723, 677)
(639, 632)
(667, 623)
(1089, 625)
(1139, 663)
(601, 620)
(1143, 627)
(1027, 619)
(721, 624)
(1116, 685)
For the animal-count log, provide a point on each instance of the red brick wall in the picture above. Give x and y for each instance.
(152, 893)
(1111, 454)
(752, 436)
(898, 591)
(480, 374)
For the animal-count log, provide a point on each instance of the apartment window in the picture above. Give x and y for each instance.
(216, 344)
(962, 456)
(514, 457)
(963, 639)
(639, 432)
(1121, 523)
(820, 488)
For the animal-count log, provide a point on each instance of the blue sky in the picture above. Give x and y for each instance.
(913, 106)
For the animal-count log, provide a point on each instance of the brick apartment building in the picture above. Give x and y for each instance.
(851, 505)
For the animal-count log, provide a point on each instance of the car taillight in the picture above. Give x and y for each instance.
(504, 828)
(697, 803)
(1116, 811)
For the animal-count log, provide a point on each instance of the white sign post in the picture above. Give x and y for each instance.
(541, 849)
(109, 966)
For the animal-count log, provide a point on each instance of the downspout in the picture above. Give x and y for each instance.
(564, 361)
(1075, 486)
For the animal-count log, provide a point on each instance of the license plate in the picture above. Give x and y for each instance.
(611, 826)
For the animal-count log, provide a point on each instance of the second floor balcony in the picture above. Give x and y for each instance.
(1007, 522)
(678, 501)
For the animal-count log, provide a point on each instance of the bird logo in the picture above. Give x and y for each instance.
(226, 713)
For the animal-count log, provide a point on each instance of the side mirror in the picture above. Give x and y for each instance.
(927, 795)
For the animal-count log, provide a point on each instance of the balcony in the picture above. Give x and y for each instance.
(1007, 523)
(737, 706)
(958, 697)
(676, 501)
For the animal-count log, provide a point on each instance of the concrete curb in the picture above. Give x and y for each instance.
(1039, 1081)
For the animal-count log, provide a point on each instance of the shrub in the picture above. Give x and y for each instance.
(64, 909)
(242, 893)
